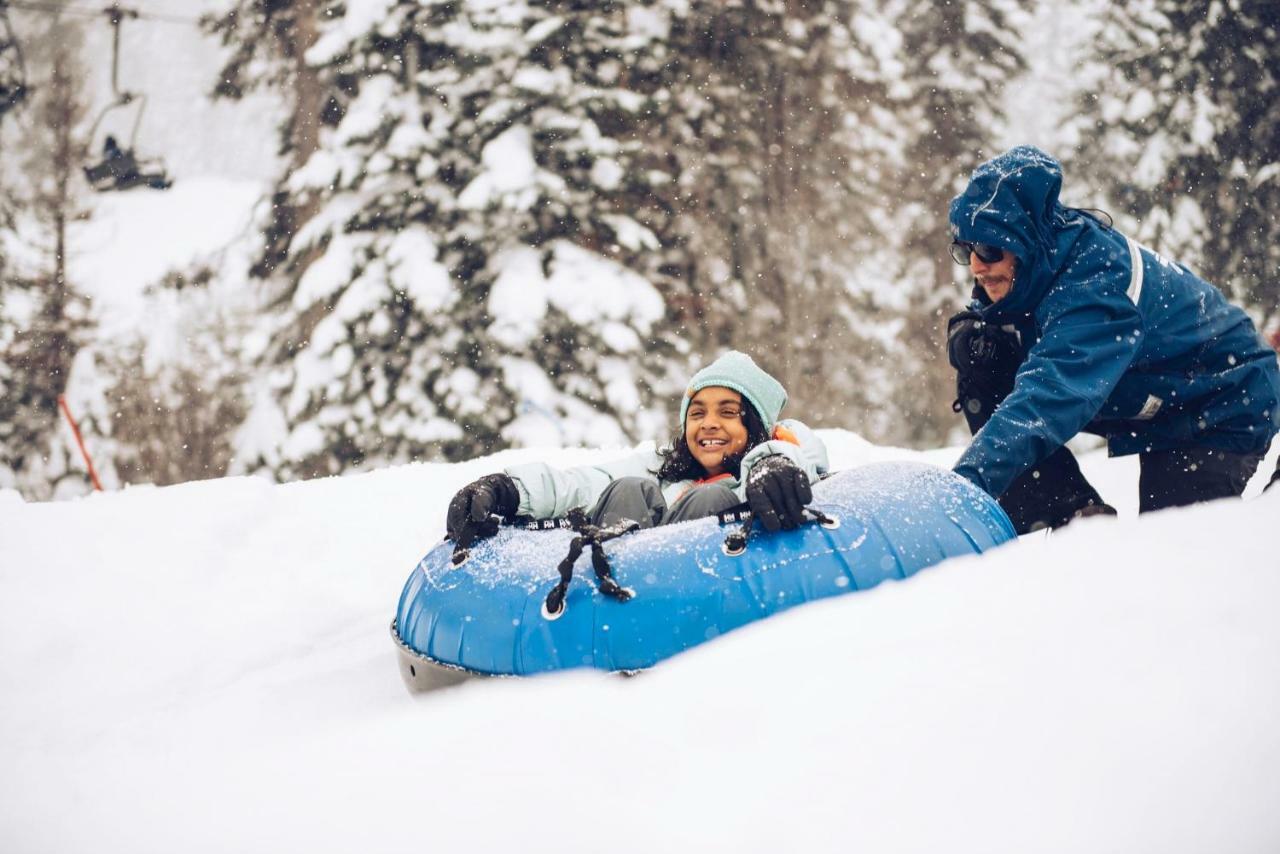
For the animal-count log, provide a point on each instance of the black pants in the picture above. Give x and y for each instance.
(1189, 475)
(1054, 490)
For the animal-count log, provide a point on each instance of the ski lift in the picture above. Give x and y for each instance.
(13, 72)
(120, 168)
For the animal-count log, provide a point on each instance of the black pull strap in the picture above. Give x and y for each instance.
(594, 536)
(735, 542)
(821, 518)
(555, 599)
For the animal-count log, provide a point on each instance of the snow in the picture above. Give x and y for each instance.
(549, 417)
(332, 270)
(590, 288)
(607, 174)
(358, 18)
(650, 24)
(541, 30)
(632, 235)
(509, 173)
(518, 299)
(206, 667)
(412, 257)
(134, 239)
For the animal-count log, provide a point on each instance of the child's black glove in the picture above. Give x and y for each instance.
(472, 509)
(778, 491)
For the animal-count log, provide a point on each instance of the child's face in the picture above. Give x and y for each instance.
(713, 427)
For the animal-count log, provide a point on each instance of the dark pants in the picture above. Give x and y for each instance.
(1054, 490)
(640, 499)
(1188, 475)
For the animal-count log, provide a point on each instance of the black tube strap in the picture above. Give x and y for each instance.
(595, 536)
(735, 542)
(735, 514)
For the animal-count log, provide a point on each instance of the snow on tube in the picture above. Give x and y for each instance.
(488, 616)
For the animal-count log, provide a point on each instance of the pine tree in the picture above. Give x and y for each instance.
(957, 60)
(473, 275)
(778, 133)
(1185, 135)
(42, 317)
(267, 43)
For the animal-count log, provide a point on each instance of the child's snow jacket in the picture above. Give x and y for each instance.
(1118, 340)
(547, 492)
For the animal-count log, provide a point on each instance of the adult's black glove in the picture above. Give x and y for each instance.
(975, 346)
(986, 359)
(472, 510)
(778, 491)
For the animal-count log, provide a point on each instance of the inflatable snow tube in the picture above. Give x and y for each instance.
(489, 615)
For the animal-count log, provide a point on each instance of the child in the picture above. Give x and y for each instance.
(729, 447)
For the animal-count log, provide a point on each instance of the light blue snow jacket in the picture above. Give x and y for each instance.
(547, 492)
(1118, 340)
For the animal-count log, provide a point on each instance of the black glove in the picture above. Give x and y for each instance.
(975, 346)
(471, 511)
(778, 491)
(986, 359)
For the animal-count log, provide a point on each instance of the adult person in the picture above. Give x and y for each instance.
(1075, 327)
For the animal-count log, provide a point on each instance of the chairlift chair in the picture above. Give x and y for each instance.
(120, 168)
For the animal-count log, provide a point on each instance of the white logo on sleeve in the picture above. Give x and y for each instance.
(1149, 409)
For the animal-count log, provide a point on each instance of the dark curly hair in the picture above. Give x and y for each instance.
(678, 462)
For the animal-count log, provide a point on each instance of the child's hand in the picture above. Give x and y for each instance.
(471, 509)
(778, 491)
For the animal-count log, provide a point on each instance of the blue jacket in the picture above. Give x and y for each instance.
(1117, 340)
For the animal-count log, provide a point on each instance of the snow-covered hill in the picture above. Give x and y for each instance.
(207, 667)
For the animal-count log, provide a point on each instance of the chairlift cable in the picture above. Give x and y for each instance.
(51, 8)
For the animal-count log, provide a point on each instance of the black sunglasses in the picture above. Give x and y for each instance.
(986, 253)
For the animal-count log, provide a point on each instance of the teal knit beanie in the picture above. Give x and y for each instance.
(737, 371)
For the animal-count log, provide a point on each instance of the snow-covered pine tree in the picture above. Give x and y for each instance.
(1184, 135)
(42, 317)
(778, 131)
(479, 269)
(267, 42)
(957, 58)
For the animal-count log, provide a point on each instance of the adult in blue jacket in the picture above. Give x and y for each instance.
(1075, 327)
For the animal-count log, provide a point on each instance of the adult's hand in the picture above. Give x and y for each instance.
(472, 509)
(778, 491)
(974, 345)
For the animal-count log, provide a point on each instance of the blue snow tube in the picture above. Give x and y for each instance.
(488, 616)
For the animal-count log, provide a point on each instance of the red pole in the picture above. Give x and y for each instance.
(75, 430)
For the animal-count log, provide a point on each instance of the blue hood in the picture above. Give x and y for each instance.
(1012, 202)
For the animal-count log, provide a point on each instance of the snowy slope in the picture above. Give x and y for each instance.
(206, 667)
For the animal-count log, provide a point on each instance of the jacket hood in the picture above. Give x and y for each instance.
(1012, 202)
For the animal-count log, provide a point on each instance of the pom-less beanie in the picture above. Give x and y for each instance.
(737, 371)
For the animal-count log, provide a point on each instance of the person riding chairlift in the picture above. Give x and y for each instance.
(120, 167)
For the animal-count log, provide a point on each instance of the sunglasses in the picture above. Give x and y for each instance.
(986, 253)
